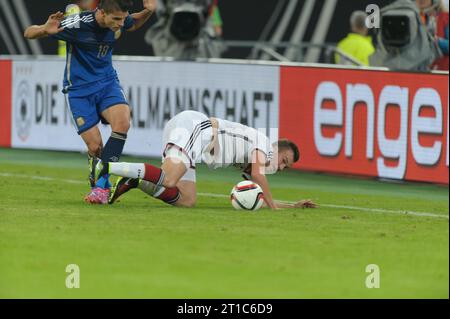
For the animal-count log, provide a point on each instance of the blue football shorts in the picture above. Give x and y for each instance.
(87, 105)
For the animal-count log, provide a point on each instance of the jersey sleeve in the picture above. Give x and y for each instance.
(69, 25)
(263, 144)
(129, 23)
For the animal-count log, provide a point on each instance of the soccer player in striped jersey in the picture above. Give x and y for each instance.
(191, 137)
(91, 85)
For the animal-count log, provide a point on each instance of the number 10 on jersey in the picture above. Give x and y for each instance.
(102, 51)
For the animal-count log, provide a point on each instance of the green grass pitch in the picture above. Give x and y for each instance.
(141, 248)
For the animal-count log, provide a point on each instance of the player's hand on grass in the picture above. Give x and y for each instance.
(150, 5)
(53, 22)
(306, 204)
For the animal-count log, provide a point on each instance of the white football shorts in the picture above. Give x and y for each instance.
(185, 138)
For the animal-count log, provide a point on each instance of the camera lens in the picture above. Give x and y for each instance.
(185, 26)
(396, 31)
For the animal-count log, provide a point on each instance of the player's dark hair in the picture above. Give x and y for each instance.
(288, 144)
(115, 5)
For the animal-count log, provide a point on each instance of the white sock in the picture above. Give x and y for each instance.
(132, 170)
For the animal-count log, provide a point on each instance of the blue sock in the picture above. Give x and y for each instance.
(104, 182)
(111, 153)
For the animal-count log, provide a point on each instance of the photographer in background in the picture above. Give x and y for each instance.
(435, 17)
(403, 42)
(186, 30)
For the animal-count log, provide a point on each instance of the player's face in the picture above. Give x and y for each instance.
(285, 159)
(115, 20)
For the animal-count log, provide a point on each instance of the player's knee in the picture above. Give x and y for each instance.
(122, 125)
(189, 202)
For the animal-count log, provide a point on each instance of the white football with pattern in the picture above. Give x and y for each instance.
(247, 195)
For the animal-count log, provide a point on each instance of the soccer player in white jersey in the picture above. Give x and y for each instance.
(191, 137)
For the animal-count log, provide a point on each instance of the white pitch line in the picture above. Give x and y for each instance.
(379, 210)
(363, 209)
(371, 210)
(42, 178)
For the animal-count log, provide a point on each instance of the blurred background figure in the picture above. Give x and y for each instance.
(306, 31)
(357, 44)
(186, 30)
(435, 17)
(403, 41)
(75, 7)
(215, 19)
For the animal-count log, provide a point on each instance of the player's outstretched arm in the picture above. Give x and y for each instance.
(44, 30)
(301, 204)
(141, 17)
(258, 176)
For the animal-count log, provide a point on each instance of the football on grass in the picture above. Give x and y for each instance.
(247, 195)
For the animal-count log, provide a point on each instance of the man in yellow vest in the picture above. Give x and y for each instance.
(75, 7)
(357, 44)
